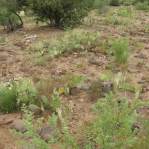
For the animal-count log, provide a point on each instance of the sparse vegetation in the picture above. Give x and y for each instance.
(80, 88)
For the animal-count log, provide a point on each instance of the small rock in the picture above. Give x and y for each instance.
(107, 87)
(84, 86)
(141, 55)
(95, 61)
(19, 126)
(35, 109)
(46, 132)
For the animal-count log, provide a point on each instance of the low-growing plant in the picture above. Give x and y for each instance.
(35, 140)
(113, 126)
(26, 92)
(2, 40)
(73, 40)
(125, 12)
(114, 123)
(120, 50)
(79, 40)
(8, 98)
(55, 102)
(17, 93)
(143, 5)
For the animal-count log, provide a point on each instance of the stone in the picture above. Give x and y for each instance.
(35, 109)
(99, 88)
(84, 86)
(45, 132)
(19, 126)
(107, 86)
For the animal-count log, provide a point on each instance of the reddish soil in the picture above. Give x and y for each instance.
(15, 62)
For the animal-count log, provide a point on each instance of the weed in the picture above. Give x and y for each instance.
(26, 91)
(120, 49)
(55, 102)
(125, 12)
(8, 98)
(113, 126)
(2, 40)
(36, 141)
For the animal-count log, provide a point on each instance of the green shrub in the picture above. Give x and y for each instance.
(101, 4)
(61, 13)
(26, 92)
(9, 17)
(8, 98)
(115, 2)
(143, 5)
(125, 12)
(113, 126)
(120, 49)
(16, 94)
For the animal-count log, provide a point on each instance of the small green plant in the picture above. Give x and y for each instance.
(75, 40)
(32, 133)
(113, 127)
(8, 98)
(120, 50)
(114, 123)
(55, 102)
(74, 80)
(125, 12)
(26, 92)
(2, 40)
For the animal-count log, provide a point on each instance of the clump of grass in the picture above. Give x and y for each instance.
(125, 12)
(2, 40)
(8, 98)
(120, 50)
(114, 20)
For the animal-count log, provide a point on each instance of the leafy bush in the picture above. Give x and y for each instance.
(8, 98)
(9, 17)
(116, 116)
(60, 13)
(113, 126)
(115, 2)
(16, 94)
